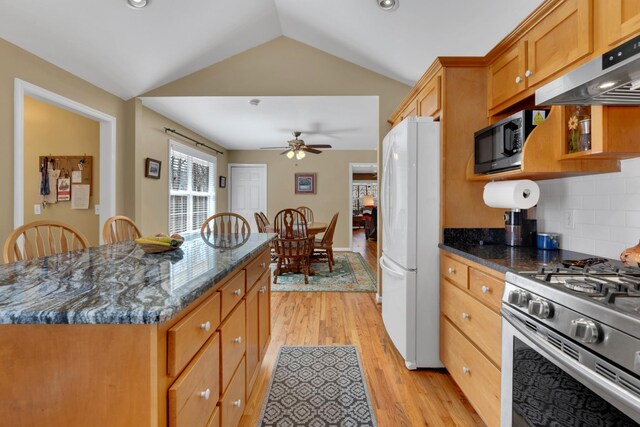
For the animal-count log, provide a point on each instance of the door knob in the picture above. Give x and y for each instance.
(206, 326)
(528, 73)
(451, 270)
(237, 292)
(205, 394)
(237, 340)
(518, 80)
(485, 289)
(465, 316)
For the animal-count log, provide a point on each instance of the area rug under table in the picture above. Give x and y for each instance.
(320, 386)
(350, 274)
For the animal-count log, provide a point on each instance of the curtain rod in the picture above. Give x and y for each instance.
(191, 139)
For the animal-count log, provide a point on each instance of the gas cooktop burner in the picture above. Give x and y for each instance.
(582, 286)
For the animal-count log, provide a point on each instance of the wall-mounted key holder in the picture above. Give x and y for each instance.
(79, 169)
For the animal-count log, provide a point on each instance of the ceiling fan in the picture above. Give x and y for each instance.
(298, 148)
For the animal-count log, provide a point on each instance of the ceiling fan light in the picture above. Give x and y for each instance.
(300, 155)
(388, 5)
(290, 154)
(137, 4)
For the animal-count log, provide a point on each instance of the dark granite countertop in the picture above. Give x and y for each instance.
(505, 258)
(116, 284)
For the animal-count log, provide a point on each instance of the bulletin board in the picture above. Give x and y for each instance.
(68, 164)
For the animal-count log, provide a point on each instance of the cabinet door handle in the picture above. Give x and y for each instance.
(238, 340)
(465, 370)
(237, 403)
(237, 292)
(205, 394)
(518, 79)
(485, 289)
(528, 73)
(263, 265)
(263, 289)
(206, 326)
(465, 316)
(451, 270)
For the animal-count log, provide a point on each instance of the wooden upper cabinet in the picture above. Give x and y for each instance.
(622, 19)
(559, 40)
(506, 74)
(430, 98)
(411, 110)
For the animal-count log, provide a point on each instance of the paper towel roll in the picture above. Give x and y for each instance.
(522, 194)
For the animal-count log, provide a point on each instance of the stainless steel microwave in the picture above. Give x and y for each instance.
(499, 147)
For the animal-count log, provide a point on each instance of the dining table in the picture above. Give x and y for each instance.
(313, 228)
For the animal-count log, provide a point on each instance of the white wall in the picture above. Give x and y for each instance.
(606, 210)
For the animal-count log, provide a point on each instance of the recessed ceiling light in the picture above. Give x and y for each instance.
(137, 4)
(388, 5)
(607, 85)
(254, 102)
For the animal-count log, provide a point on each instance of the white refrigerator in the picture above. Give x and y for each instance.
(410, 208)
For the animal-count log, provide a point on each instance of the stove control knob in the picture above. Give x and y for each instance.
(519, 298)
(585, 330)
(540, 308)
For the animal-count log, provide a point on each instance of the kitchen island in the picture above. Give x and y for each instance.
(116, 337)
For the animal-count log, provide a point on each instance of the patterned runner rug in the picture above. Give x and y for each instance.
(321, 386)
(350, 274)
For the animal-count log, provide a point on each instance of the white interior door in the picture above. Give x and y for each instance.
(248, 191)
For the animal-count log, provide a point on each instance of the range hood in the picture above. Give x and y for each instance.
(613, 79)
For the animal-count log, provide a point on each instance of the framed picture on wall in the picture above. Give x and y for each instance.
(305, 183)
(152, 168)
(222, 182)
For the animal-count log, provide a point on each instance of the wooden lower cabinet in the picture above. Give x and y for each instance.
(264, 312)
(233, 401)
(193, 396)
(215, 418)
(478, 378)
(470, 331)
(188, 371)
(252, 358)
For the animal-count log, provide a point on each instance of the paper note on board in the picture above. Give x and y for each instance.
(76, 177)
(80, 197)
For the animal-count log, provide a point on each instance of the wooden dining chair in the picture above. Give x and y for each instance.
(265, 220)
(324, 247)
(226, 229)
(292, 247)
(307, 212)
(42, 238)
(119, 228)
(262, 226)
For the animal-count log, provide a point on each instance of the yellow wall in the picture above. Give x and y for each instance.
(49, 130)
(332, 184)
(18, 63)
(152, 203)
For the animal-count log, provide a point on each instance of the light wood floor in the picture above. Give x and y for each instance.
(399, 397)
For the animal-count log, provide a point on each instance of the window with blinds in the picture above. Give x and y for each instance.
(192, 194)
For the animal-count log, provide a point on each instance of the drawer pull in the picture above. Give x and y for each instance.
(263, 289)
(528, 73)
(465, 370)
(518, 79)
(263, 264)
(465, 316)
(485, 289)
(237, 403)
(451, 270)
(205, 394)
(237, 292)
(238, 340)
(206, 326)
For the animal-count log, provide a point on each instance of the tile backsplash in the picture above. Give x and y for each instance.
(604, 209)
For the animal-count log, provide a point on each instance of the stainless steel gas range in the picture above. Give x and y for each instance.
(571, 347)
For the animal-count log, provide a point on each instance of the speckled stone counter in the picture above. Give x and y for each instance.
(505, 258)
(117, 284)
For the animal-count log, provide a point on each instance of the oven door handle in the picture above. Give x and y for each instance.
(602, 386)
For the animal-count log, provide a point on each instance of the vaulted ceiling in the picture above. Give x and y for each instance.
(129, 52)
